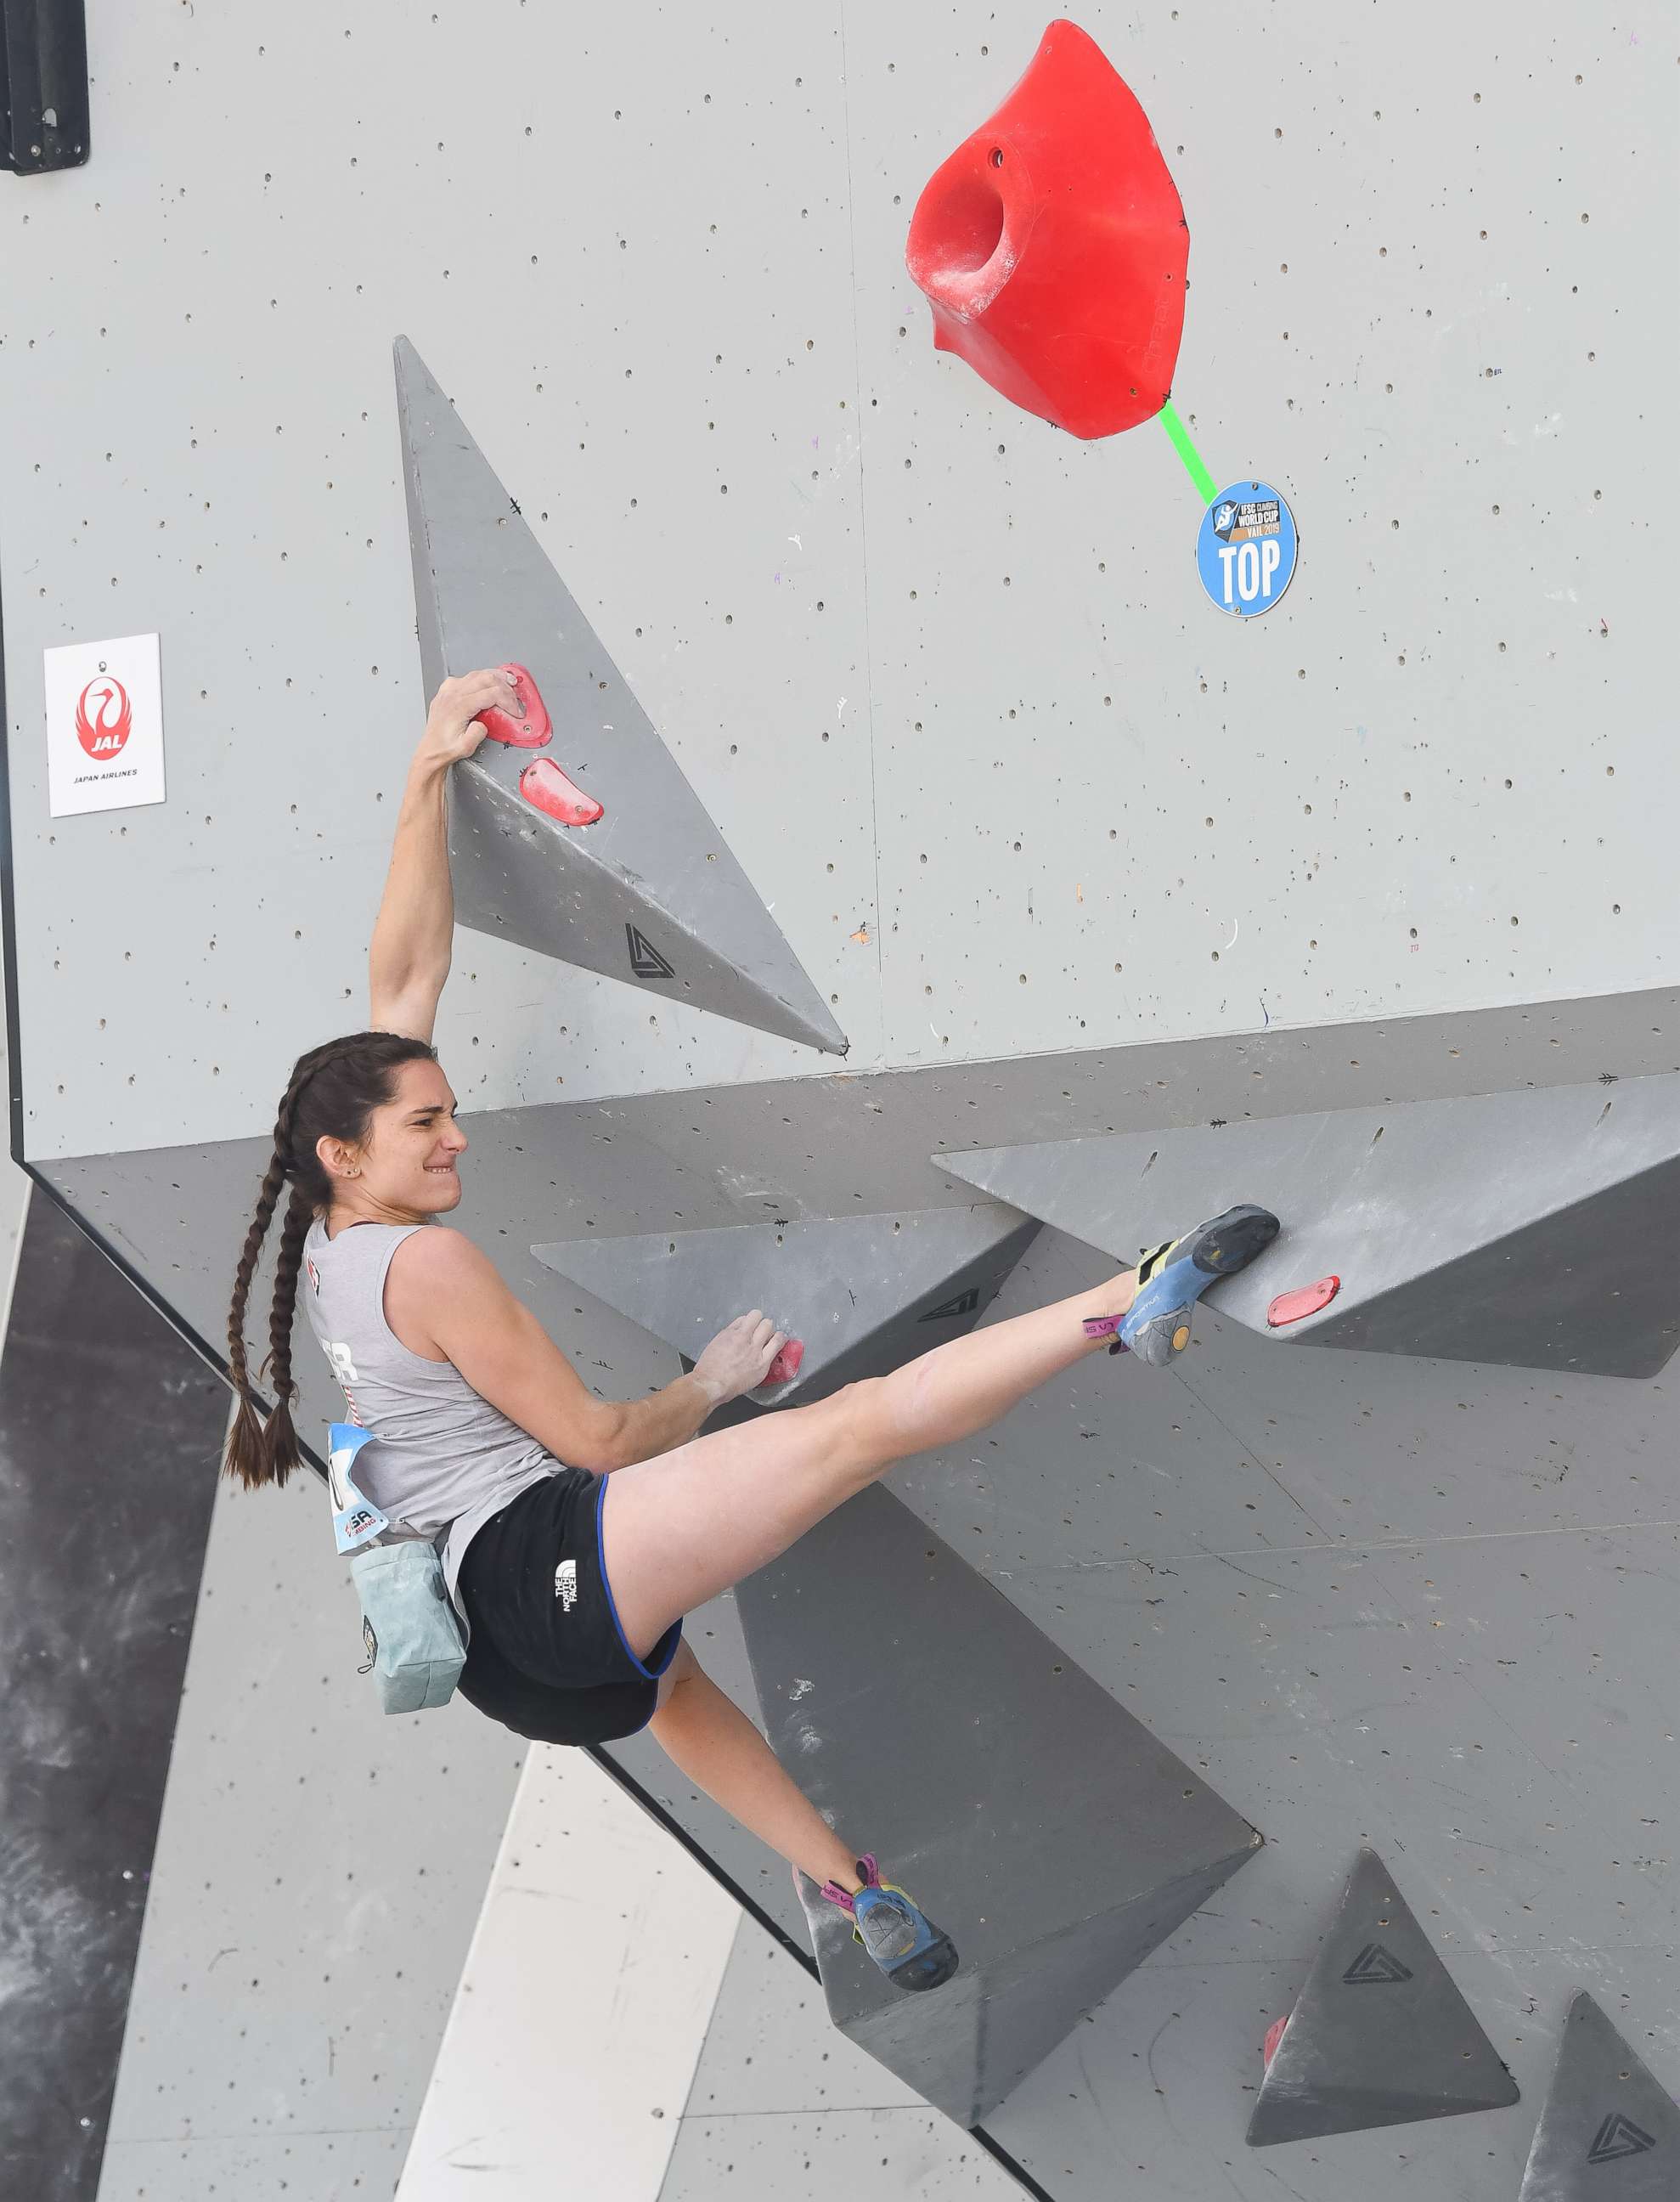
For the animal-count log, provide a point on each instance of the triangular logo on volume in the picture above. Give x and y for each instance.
(1376, 1963)
(645, 960)
(947, 1310)
(1618, 2136)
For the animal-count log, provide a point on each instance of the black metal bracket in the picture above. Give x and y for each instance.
(43, 107)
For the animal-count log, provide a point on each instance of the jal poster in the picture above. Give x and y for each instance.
(104, 726)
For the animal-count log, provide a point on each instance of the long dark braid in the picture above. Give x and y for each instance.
(247, 1445)
(332, 1094)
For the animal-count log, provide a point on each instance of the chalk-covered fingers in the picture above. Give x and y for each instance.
(453, 728)
(738, 1358)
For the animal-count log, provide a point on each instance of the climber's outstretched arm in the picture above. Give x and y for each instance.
(409, 958)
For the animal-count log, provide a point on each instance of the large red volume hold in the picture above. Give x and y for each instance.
(1052, 246)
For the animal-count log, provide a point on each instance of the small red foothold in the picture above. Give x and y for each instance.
(1290, 1307)
(547, 789)
(1274, 2035)
(531, 732)
(785, 1367)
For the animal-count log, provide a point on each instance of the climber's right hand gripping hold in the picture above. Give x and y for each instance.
(738, 1358)
(453, 729)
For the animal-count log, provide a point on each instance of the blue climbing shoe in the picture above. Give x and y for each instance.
(897, 1934)
(1172, 1278)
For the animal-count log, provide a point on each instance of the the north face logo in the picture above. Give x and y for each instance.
(1375, 1965)
(565, 1585)
(1618, 2137)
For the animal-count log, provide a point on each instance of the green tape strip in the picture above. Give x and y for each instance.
(1206, 487)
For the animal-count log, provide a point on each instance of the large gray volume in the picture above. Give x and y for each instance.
(1608, 2132)
(1047, 1830)
(1380, 2034)
(863, 1293)
(650, 893)
(1530, 1229)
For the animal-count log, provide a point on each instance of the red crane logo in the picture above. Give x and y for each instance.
(103, 734)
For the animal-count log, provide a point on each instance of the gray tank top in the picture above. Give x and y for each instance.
(446, 1460)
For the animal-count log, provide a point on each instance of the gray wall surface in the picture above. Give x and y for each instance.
(783, 2106)
(657, 256)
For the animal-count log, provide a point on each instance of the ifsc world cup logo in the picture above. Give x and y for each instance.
(102, 735)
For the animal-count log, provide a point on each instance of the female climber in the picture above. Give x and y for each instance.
(576, 1533)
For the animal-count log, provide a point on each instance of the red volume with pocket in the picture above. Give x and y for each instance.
(1052, 246)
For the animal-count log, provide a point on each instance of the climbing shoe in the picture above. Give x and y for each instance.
(897, 1934)
(1172, 1278)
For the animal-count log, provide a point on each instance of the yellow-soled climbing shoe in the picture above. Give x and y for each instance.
(1172, 1278)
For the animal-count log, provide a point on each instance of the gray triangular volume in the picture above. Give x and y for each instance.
(1529, 1230)
(1609, 2132)
(1380, 2034)
(863, 1293)
(649, 893)
(1054, 1838)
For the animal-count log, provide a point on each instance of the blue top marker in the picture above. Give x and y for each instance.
(1246, 549)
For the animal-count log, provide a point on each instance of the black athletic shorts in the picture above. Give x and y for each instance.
(546, 1656)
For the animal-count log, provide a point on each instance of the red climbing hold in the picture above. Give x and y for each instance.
(531, 732)
(785, 1367)
(1290, 1307)
(1052, 246)
(546, 787)
(1274, 2035)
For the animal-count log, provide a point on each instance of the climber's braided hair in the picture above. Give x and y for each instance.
(333, 1092)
